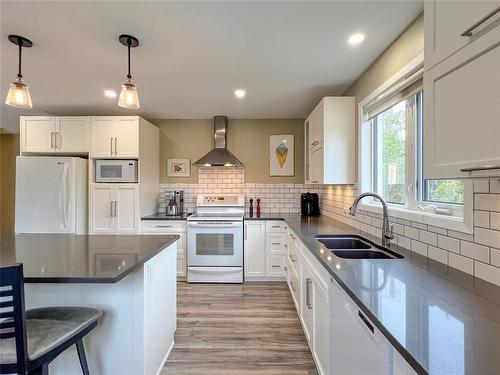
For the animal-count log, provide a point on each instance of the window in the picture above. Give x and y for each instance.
(393, 129)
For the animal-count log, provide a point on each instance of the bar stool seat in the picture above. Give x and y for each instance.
(49, 327)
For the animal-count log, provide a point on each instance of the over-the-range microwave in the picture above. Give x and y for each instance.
(116, 171)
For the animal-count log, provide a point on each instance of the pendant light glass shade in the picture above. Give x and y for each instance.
(128, 96)
(19, 95)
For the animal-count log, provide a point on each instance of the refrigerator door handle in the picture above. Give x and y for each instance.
(65, 195)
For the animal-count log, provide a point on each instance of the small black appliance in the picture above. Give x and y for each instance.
(309, 204)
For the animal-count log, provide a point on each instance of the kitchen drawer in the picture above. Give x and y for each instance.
(276, 226)
(276, 243)
(163, 226)
(275, 266)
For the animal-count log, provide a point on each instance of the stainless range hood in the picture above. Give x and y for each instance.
(220, 156)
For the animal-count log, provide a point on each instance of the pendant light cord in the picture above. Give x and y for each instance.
(129, 42)
(19, 75)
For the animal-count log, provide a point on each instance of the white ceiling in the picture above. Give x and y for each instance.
(193, 55)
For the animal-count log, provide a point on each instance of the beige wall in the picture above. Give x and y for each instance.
(403, 50)
(248, 140)
(9, 149)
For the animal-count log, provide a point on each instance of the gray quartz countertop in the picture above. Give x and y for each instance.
(441, 320)
(59, 258)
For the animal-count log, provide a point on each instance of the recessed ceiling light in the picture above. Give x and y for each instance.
(356, 38)
(110, 93)
(240, 93)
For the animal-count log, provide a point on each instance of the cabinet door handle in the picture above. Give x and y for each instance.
(292, 286)
(308, 294)
(468, 32)
(111, 208)
(52, 139)
(116, 146)
(111, 145)
(293, 237)
(485, 168)
(116, 208)
(293, 259)
(58, 145)
(285, 268)
(368, 324)
(314, 143)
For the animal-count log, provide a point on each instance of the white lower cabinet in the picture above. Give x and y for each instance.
(177, 227)
(255, 249)
(114, 209)
(342, 339)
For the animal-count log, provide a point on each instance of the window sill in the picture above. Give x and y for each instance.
(458, 224)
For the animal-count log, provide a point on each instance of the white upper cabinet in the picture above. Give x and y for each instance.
(461, 104)
(451, 25)
(43, 134)
(115, 137)
(330, 143)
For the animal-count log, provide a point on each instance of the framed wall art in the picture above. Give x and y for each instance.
(281, 155)
(178, 167)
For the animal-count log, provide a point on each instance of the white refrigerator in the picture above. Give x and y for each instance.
(51, 194)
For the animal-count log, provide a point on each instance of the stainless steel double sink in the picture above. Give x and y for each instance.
(355, 247)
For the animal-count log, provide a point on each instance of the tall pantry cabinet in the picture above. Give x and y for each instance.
(116, 208)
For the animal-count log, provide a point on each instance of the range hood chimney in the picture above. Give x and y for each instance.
(220, 156)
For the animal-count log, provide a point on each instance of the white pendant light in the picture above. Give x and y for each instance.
(129, 98)
(19, 93)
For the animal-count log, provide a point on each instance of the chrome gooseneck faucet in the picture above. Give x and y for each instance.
(387, 229)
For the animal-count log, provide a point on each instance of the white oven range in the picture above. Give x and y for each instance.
(215, 239)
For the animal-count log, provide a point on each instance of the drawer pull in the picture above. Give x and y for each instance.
(276, 266)
(293, 259)
(368, 324)
(485, 168)
(293, 237)
(276, 243)
(275, 226)
(163, 226)
(285, 268)
(468, 32)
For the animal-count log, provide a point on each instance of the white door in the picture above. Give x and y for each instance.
(316, 165)
(462, 112)
(255, 249)
(45, 195)
(446, 21)
(126, 199)
(102, 137)
(321, 333)
(306, 310)
(73, 134)
(126, 133)
(38, 134)
(102, 201)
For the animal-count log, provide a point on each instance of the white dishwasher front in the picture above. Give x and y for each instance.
(356, 346)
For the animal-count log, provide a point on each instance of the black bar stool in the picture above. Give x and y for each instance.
(30, 340)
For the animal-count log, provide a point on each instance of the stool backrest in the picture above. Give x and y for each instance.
(13, 314)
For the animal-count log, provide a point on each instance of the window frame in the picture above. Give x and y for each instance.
(415, 208)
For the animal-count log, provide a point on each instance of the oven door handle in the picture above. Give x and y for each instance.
(215, 224)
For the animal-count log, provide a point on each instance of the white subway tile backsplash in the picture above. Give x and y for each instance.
(437, 254)
(412, 233)
(428, 237)
(487, 272)
(475, 251)
(487, 237)
(495, 221)
(462, 263)
(495, 185)
(481, 185)
(419, 247)
(487, 202)
(495, 257)
(448, 243)
(481, 219)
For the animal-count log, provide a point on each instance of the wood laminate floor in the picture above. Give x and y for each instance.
(238, 329)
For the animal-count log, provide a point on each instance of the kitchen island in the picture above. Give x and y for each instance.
(132, 279)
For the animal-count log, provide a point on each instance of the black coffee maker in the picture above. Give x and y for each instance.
(309, 204)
